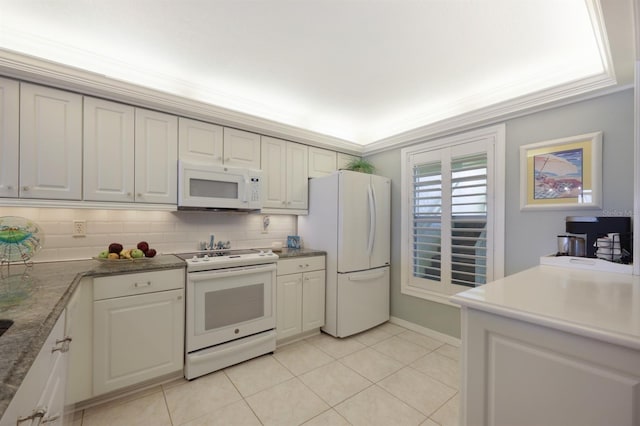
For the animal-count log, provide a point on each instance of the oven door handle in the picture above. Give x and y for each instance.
(223, 273)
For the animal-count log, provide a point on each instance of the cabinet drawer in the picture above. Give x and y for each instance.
(140, 283)
(300, 264)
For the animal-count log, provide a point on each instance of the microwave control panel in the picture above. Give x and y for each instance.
(255, 189)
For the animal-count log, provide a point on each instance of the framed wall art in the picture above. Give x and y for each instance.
(562, 174)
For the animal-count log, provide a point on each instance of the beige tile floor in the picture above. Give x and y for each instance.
(385, 376)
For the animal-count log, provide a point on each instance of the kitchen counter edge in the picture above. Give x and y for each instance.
(600, 305)
(288, 253)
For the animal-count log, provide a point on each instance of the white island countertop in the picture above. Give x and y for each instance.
(600, 305)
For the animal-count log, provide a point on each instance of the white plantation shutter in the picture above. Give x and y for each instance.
(427, 220)
(469, 220)
(449, 217)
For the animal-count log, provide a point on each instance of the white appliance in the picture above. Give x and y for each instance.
(349, 218)
(230, 308)
(213, 187)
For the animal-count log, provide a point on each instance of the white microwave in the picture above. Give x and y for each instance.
(218, 187)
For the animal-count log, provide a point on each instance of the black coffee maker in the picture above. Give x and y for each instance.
(594, 227)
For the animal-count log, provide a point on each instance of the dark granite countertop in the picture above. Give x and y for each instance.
(303, 252)
(34, 297)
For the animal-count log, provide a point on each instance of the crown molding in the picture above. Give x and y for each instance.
(542, 100)
(40, 71)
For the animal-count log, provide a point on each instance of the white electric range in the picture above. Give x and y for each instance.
(230, 308)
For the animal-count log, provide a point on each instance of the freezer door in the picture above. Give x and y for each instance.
(363, 300)
(381, 239)
(353, 221)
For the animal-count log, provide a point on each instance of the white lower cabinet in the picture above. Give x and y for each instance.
(138, 328)
(40, 398)
(520, 373)
(300, 296)
(79, 325)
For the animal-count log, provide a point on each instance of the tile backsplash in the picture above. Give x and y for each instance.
(167, 232)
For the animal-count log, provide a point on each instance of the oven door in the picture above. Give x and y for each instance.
(227, 304)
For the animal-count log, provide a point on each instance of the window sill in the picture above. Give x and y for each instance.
(430, 295)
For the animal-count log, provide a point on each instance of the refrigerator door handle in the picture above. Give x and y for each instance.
(372, 219)
(363, 277)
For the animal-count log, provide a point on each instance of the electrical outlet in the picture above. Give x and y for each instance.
(265, 224)
(79, 228)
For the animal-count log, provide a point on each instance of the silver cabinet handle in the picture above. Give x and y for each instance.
(25, 188)
(64, 345)
(139, 194)
(147, 284)
(37, 413)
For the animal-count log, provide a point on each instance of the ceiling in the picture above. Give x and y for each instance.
(356, 70)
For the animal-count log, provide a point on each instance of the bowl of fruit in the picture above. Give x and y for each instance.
(116, 251)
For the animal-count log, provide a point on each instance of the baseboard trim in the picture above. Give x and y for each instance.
(426, 331)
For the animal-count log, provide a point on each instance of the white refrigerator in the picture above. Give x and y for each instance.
(349, 218)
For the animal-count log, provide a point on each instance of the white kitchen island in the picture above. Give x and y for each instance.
(551, 346)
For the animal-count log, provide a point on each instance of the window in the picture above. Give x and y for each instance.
(453, 214)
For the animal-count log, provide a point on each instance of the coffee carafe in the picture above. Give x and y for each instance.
(572, 245)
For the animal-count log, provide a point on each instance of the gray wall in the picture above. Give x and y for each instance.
(529, 235)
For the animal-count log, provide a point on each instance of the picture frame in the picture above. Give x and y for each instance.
(293, 242)
(562, 174)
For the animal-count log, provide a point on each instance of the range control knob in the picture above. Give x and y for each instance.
(206, 257)
(194, 259)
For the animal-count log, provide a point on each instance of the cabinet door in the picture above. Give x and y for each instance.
(50, 143)
(274, 176)
(536, 375)
(313, 297)
(32, 389)
(241, 148)
(297, 176)
(137, 338)
(9, 142)
(343, 160)
(322, 162)
(156, 148)
(289, 305)
(108, 151)
(199, 141)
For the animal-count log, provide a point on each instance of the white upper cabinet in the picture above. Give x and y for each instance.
(50, 143)
(285, 174)
(156, 154)
(9, 137)
(297, 176)
(344, 159)
(200, 142)
(241, 148)
(322, 162)
(274, 177)
(108, 151)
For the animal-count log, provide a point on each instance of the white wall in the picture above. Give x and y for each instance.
(167, 232)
